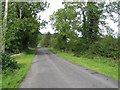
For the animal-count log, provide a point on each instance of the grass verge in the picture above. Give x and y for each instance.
(102, 65)
(13, 79)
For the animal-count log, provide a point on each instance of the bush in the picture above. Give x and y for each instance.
(107, 47)
(80, 47)
(8, 63)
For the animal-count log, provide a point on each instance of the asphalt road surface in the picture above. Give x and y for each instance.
(51, 71)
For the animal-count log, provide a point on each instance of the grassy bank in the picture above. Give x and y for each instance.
(13, 79)
(102, 65)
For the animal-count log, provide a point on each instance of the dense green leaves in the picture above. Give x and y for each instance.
(45, 41)
(8, 63)
(22, 25)
(78, 28)
(107, 46)
(64, 21)
(90, 30)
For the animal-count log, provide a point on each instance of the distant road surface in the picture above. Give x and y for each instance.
(51, 71)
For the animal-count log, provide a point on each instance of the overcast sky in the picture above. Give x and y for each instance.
(54, 6)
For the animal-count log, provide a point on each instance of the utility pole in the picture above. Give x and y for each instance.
(4, 26)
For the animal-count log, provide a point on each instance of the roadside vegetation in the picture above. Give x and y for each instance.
(11, 75)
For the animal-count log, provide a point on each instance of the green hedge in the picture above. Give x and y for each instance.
(8, 63)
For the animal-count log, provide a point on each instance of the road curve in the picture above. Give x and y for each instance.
(51, 71)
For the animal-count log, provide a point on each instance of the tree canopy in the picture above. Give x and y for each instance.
(78, 26)
(22, 28)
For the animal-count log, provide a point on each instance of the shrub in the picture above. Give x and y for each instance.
(80, 47)
(8, 63)
(107, 47)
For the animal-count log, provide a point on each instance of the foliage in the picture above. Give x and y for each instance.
(46, 40)
(63, 21)
(78, 29)
(91, 15)
(80, 47)
(22, 25)
(8, 63)
(107, 47)
(19, 38)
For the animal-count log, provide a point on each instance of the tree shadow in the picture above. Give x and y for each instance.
(30, 51)
(40, 51)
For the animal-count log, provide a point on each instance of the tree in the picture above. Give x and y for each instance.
(90, 31)
(22, 25)
(64, 21)
(46, 40)
(78, 25)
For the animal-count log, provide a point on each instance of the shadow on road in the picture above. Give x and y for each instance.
(40, 51)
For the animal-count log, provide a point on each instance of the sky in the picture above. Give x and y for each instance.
(54, 6)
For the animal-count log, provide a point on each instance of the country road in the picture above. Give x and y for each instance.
(51, 71)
